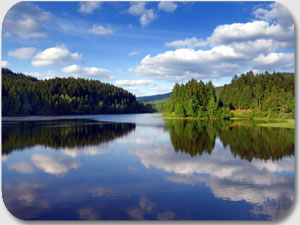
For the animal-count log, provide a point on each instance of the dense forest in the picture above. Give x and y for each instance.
(26, 95)
(249, 95)
(270, 94)
(195, 99)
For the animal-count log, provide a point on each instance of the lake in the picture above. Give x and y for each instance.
(141, 167)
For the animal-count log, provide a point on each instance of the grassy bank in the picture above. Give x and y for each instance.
(269, 122)
(288, 124)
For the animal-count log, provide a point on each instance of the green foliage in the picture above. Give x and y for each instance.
(194, 99)
(159, 105)
(269, 94)
(25, 95)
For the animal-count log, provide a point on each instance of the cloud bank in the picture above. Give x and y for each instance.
(263, 44)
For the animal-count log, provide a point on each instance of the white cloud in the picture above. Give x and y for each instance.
(101, 30)
(239, 32)
(142, 87)
(231, 49)
(89, 7)
(277, 12)
(282, 61)
(139, 9)
(22, 53)
(167, 6)
(54, 56)
(54, 165)
(41, 76)
(134, 82)
(89, 150)
(183, 64)
(4, 64)
(21, 167)
(26, 20)
(133, 53)
(187, 43)
(88, 72)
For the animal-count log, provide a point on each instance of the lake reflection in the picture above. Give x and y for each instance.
(86, 169)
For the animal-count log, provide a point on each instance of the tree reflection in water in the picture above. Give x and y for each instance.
(245, 139)
(60, 133)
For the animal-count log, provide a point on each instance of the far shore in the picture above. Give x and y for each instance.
(275, 122)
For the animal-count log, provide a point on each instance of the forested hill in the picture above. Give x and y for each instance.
(26, 95)
(154, 97)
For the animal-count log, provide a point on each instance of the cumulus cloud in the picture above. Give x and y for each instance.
(167, 6)
(4, 64)
(54, 56)
(88, 72)
(100, 30)
(54, 165)
(230, 49)
(89, 7)
(22, 53)
(275, 12)
(134, 82)
(26, 20)
(238, 32)
(187, 43)
(139, 9)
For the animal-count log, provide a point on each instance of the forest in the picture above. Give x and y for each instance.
(25, 95)
(248, 95)
(195, 99)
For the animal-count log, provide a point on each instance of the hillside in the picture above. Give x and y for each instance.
(152, 98)
(25, 95)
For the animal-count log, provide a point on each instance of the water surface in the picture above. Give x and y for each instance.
(140, 167)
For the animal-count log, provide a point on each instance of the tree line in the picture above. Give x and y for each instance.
(270, 94)
(261, 95)
(26, 95)
(195, 99)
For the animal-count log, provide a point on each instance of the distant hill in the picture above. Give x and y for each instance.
(153, 97)
(25, 95)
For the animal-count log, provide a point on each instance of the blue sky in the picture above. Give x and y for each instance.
(146, 47)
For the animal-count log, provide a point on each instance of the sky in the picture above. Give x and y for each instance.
(146, 47)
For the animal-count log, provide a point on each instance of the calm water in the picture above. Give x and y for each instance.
(120, 167)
